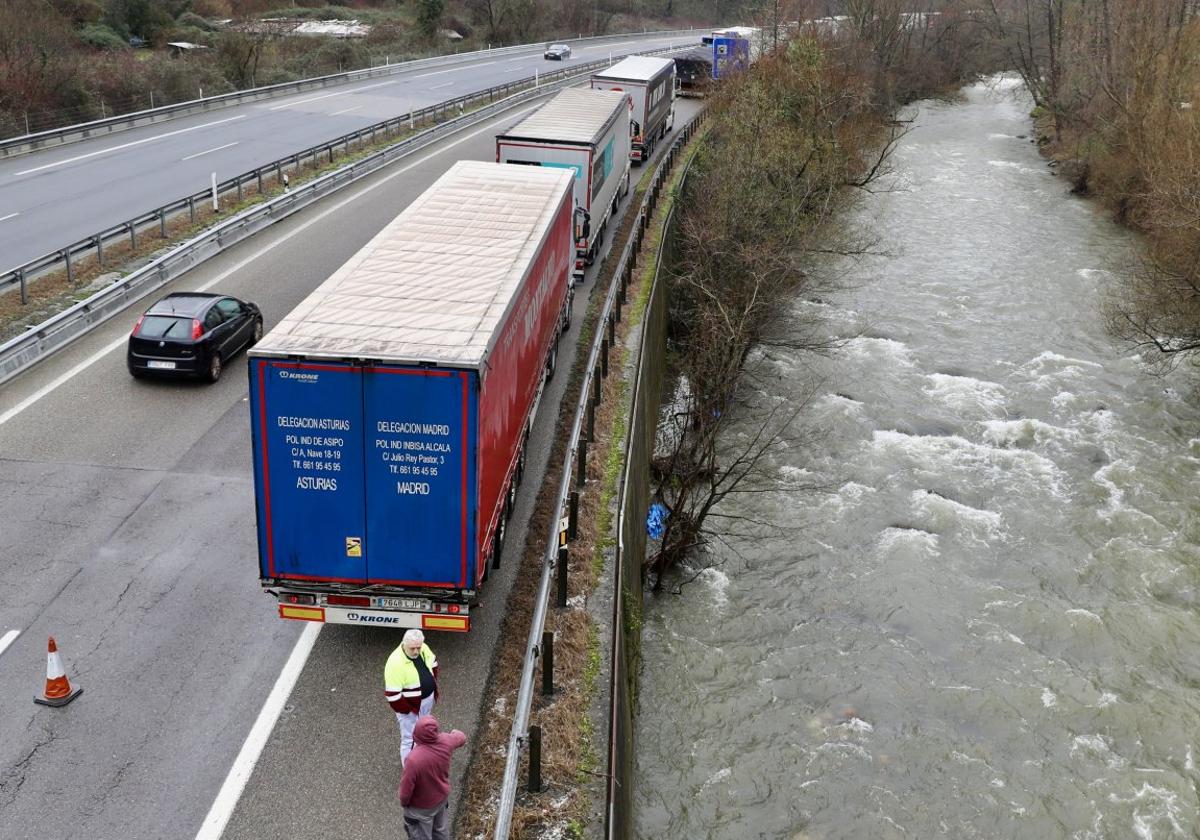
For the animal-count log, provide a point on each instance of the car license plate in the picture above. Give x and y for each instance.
(157, 365)
(417, 604)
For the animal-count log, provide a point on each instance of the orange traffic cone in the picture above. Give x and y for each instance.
(58, 687)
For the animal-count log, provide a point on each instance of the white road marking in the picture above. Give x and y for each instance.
(7, 639)
(443, 85)
(231, 791)
(345, 110)
(219, 148)
(454, 69)
(220, 278)
(327, 95)
(127, 145)
(9, 216)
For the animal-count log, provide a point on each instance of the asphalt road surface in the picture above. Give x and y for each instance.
(55, 197)
(127, 531)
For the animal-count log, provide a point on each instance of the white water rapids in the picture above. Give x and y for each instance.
(988, 627)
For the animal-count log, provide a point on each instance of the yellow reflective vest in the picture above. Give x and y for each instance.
(402, 682)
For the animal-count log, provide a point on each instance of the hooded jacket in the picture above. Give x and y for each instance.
(425, 782)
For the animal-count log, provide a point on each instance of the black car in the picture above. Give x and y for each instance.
(557, 52)
(192, 334)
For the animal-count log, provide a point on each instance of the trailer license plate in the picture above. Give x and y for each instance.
(161, 365)
(416, 604)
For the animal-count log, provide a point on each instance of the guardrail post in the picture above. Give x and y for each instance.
(591, 420)
(547, 663)
(604, 357)
(21, 280)
(560, 599)
(260, 184)
(66, 252)
(133, 235)
(573, 516)
(535, 759)
(100, 251)
(598, 383)
(162, 218)
(581, 459)
(612, 331)
(239, 183)
(192, 206)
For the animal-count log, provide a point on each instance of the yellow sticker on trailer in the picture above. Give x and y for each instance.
(461, 623)
(302, 613)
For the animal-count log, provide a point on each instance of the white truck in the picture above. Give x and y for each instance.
(650, 83)
(587, 132)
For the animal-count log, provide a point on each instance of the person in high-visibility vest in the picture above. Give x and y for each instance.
(410, 684)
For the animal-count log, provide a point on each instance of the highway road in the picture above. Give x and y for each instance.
(52, 198)
(127, 531)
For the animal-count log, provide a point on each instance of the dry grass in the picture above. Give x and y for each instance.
(567, 730)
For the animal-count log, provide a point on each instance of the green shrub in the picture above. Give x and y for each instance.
(100, 37)
(194, 20)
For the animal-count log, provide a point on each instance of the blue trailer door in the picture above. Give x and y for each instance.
(308, 450)
(420, 475)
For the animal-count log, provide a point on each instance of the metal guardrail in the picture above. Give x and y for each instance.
(14, 146)
(274, 171)
(25, 350)
(576, 456)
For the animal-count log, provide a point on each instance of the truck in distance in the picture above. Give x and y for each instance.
(650, 82)
(585, 132)
(391, 408)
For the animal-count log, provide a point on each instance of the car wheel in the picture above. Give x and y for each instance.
(258, 332)
(214, 367)
(135, 373)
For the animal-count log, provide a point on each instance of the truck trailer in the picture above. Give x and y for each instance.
(391, 408)
(650, 83)
(585, 132)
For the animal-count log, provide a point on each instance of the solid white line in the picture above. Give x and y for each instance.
(7, 639)
(124, 340)
(336, 93)
(231, 791)
(443, 85)
(345, 110)
(9, 216)
(219, 148)
(127, 145)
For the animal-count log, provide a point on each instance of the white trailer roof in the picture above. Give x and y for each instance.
(576, 115)
(637, 68)
(435, 283)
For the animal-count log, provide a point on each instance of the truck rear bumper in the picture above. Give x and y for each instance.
(460, 623)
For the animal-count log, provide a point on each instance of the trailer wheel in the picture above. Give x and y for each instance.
(498, 544)
(567, 310)
(551, 364)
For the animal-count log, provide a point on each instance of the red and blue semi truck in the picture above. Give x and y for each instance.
(391, 409)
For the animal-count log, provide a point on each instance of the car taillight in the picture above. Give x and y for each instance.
(138, 325)
(197, 329)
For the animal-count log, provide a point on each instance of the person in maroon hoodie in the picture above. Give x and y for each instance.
(425, 782)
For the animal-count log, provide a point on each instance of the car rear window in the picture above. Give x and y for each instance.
(165, 326)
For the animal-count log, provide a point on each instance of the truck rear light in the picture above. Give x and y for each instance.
(454, 609)
(349, 600)
(579, 265)
(294, 598)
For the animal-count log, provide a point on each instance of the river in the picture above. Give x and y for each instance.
(986, 626)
